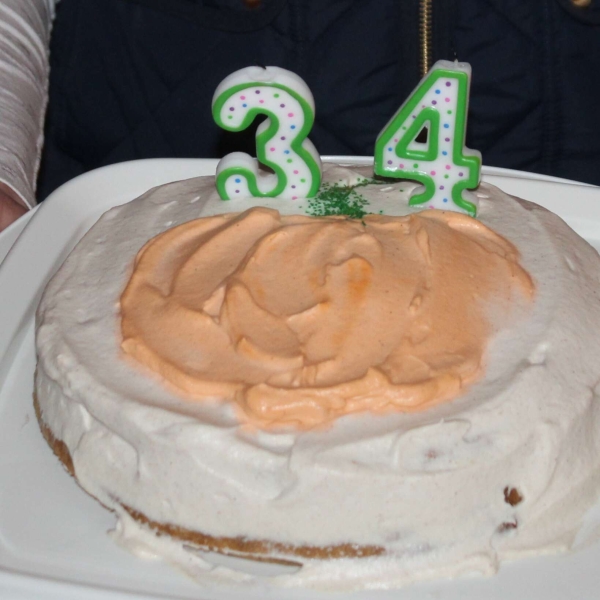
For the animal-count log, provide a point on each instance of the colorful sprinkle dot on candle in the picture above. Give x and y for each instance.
(416, 166)
(289, 160)
(237, 191)
(231, 108)
(293, 187)
(257, 92)
(396, 140)
(460, 174)
(261, 101)
(447, 84)
(275, 95)
(434, 102)
(414, 116)
(441, 187)
(389, 162)
(404, 127)
(295, 172)
(446, 176)
(447, 167)
(286, 151)
(445, 199)
(446, 125)
(244, 105)
(230, 116)
(447, 99)
(290, 114)
(390, 149)
(401, 166)
(446, 139)
(294, 197)
(282, 137)
(282, 106)
(242, 97)
(303, 180)
(433, 172)
(437, 91)
(272, 149)
(238, 180)
(292, 127)
(449, 112)
(445, 152)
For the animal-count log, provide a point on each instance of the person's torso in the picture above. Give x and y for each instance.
(134, 78)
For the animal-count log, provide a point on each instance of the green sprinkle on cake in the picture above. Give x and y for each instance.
(339, 199)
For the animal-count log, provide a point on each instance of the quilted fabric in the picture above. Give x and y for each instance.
(134, 78)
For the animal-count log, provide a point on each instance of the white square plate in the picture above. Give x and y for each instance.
(53, 540)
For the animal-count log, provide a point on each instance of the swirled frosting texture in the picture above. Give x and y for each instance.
(301, 319)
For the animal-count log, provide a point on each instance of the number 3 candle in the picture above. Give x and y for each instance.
(442, 163)
(281, 140)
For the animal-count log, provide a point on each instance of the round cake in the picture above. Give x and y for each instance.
(376, 393)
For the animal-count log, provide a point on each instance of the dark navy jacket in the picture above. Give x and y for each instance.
(134, 78)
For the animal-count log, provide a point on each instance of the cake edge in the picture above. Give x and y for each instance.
(238, 547)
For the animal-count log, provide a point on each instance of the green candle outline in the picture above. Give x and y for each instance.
(459, 157)
(262, 139)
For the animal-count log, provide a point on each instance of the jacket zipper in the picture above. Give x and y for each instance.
(424, 36)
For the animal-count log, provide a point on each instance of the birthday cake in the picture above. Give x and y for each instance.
(321, 373)
(343, 382)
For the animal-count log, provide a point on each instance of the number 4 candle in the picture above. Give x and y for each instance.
(441, 163)
(281, 140)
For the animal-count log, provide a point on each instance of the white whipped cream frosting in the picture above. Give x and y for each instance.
(429, 486)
